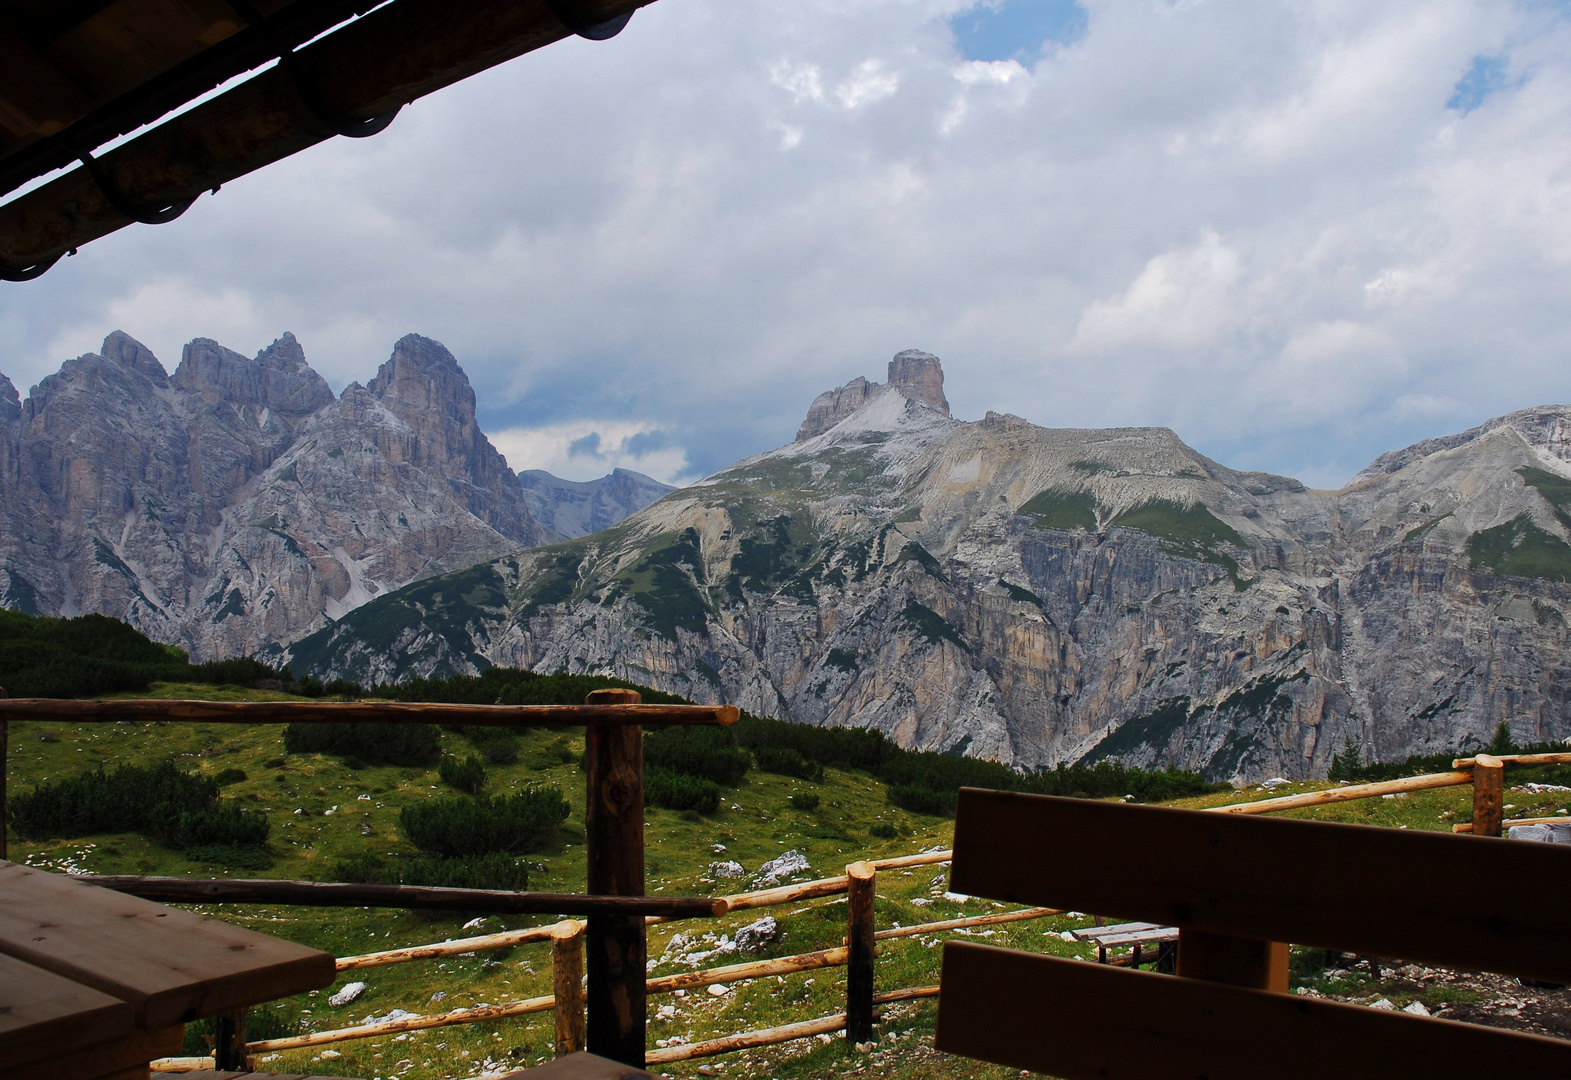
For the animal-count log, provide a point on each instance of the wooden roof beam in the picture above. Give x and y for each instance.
(395, 55)
(36, 97)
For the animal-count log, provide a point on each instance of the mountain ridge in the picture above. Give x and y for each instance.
(238, 503)
(1038, 596)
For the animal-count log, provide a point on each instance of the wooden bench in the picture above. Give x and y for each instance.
(95, 983)
(1238, 888)
(1134, 936)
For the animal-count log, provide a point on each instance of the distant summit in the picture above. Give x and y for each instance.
(918, 375)
(237, 504)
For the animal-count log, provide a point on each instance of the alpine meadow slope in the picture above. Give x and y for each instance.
(1036, 596)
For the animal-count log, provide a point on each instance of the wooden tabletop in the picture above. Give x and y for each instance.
(40, 1010)
(169, 966)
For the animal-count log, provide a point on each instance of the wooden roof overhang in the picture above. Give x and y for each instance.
(77, 74)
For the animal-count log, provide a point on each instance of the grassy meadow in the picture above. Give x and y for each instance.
(323, 811)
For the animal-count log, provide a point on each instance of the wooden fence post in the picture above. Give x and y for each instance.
(614, 836)
(1233, 960)
(567, 985)
(1489, 786)
(861, 946)
(229, 1042)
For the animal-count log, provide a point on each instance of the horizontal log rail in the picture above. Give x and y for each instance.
(453, 947)
(1467, 826)
(417, 897)
(803, 1029)
(1023, 915)
(361, 712)
(755, 969)
(472, 1015)
(1346, 794)
(1517, 759)
(812, 890)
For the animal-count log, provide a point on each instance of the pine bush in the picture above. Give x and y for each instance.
(466, 775)
(710, 753)
(389, 744)
(484, 824)
(680, 791)
(788, 761)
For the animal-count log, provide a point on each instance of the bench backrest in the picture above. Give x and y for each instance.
(1233, 883)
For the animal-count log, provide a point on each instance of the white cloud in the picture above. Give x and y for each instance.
(1255, 221)
(586, 449)
(867, 84)
(1181, 299)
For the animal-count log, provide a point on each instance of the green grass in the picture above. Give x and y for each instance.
(756, 821)
(1061, 510)
(1521, 549)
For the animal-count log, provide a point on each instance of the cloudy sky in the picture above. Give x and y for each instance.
(1298, 232)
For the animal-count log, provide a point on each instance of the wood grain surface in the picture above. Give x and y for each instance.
(1082, 1021)
(170, 966)
(1476, 903)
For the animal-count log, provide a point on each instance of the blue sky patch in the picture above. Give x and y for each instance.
(1486, 75)
(1017, 29)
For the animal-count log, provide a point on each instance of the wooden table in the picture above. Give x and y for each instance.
(1135, 935)
(95, 984)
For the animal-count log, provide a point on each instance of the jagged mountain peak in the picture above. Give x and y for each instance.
(918, 376)
(277, 379)
(124, 349)
(10, 400)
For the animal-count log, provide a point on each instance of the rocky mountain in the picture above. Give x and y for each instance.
(1038, 596)
(238, 504)
(574, 508)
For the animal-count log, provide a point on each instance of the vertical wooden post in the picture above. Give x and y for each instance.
(861, 946)
(1233, 960)
(614, 836)
(1489, 787)
(229, 1041)
(567, 985)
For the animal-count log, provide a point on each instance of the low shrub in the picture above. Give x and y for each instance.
(497, 745)
(484, 824)
(218, 826)
(788, 761)
(466, 775)
(494, 871)
(707, 752)
(230, 776)
(385, 744)
(882, 830)
(178, 809)
(921, 800)
(238, 858)
(805, 801)
(679, 791)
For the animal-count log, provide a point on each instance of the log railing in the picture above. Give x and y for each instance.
(568, 1001)
(1485, 772)
(615, 907)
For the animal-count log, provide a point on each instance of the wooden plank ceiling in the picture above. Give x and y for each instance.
(77, 74)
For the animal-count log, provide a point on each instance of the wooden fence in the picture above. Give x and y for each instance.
(617, 913)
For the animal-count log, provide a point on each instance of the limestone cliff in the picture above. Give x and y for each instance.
(1038, 596)
(237, 504)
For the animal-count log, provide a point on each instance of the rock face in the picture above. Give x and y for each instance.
(237, 504)
(914, 374)
(574, 508)
(1038, 596)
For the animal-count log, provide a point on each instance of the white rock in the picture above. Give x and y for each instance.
(1416, 1008)
(719, 849)
(666, 1012)
(349, 993)
(956, 897)
(727, 869)
(1383, 1004)
(755, 935)
(331, 1054)
(1068, 936)
(719, 990)
(1274, 782)
(439, 995)
(784, 866)
(473, 924)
